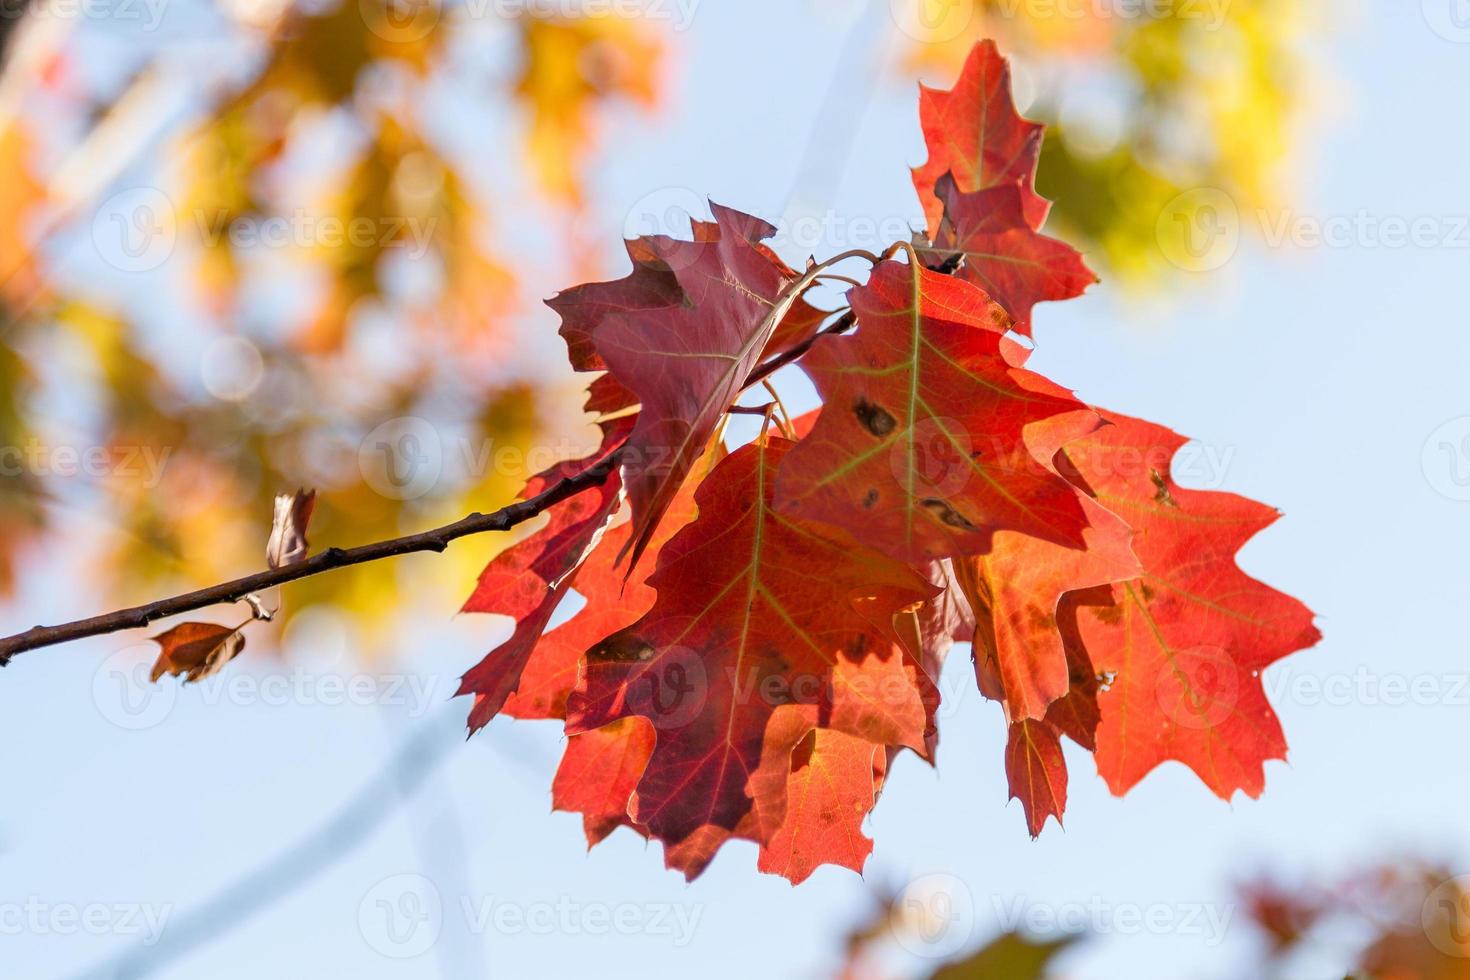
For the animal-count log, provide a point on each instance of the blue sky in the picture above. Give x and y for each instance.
(1328, 380)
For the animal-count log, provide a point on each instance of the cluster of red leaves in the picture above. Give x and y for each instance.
(763, 629)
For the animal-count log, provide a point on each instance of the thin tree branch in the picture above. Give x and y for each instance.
(843, 323)
(436, 540)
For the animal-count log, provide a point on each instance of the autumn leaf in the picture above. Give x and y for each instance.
(529, 580)
(919, 450)
(979, 196)
(1036, 771)
(1011, 957)
(1185, 643)
(649, 286)
(812, 791)
(975, 134)
(614, 601)
(687, 361)
(599, 771)
(754, 610)
(287, 544)
(1002, 253)
(195, 651)
(1013, 592)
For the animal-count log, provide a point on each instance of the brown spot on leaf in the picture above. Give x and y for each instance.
(620, 648)
(870, 499)
(1040, 618)
(1161, 490)
(946, 514)
(802, 752)
(875, 418)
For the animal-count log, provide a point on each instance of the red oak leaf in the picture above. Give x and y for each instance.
(754, 610)
(1015, 590)
(613, 602)
(974, 133)
(687, 360)
(1184, 644)
(599, 771)
(650, 286)
(1002, 253)
(1037, 772)
(919, 448)
(812, 791)
(529, 580)
(1035, 766)
(603, 796)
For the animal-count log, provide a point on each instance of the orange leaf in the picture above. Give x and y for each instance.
(754, 610)
(196, 650)
(1186, 642)
(920, 448)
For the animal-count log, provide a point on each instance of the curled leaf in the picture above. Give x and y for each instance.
(287, 543)
(195, 651)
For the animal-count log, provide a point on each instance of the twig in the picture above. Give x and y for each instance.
(788, 428)
(333, 558)
(841, 324)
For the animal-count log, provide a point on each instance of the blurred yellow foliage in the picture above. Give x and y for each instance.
(569, 67)
(1158, 114)
(381, 349)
